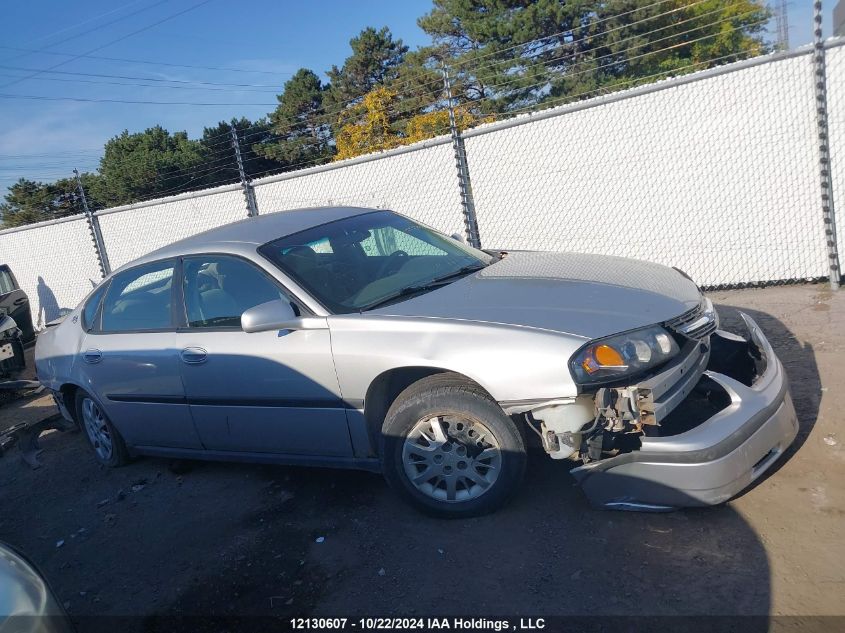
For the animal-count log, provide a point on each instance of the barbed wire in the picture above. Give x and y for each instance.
(432, 100)
(593, 23)
(513, 61)
(325, 118)
(568, 74)
(439, 82)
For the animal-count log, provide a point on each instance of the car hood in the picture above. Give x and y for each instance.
(589, 296)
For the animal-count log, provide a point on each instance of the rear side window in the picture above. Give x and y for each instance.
(89, 313)
(6, 283)
(140, 299)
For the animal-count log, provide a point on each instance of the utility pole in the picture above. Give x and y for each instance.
(249, 192)
(828, 213)
(94, 229)
(467, 200)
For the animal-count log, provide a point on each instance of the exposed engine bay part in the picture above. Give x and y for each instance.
(561, 425)
(628, 409)
(718, 451)
(681, 396)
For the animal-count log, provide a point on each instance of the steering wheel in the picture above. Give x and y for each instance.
(387, 267)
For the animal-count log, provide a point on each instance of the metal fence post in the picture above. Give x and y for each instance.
(828, 213)
(467, 200)
(249, 192)
(94, 229)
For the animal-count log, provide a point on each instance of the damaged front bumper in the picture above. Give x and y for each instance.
(711, 462)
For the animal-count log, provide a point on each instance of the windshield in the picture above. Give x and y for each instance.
(361, 262)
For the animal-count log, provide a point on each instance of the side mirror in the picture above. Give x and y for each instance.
(279, 315)
(460, 238)
(273, 315)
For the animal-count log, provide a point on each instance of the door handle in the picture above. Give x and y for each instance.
(194, 355)
(92, 356)
(19, 301)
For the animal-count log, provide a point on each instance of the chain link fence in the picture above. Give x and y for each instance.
(418, 181)
(715, 172)
(835, 65)
(134, 230)
(54, 263)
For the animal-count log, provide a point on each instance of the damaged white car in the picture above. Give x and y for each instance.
(358, 338)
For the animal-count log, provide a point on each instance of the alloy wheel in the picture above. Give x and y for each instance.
(451, 458)
(97, 429)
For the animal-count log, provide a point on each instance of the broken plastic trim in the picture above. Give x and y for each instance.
(710, 463)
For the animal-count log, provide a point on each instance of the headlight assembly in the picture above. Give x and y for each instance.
(616, 357)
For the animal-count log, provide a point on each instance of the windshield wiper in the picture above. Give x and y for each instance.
(466, 270)
(429, 285)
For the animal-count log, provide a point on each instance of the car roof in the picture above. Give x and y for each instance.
(252, 232)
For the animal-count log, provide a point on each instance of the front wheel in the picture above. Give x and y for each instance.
(108, 445)
(450, 450)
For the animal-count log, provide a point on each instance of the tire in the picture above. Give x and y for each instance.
(466, 456)
(105, 440)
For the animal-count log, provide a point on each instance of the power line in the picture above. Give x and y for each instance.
(115, 41)
(569, 74)
(151, 63)
(135, 77)
(581, 27)
(126, 101)
(88, 20)
(176, 190)
(324, 118)
(70, 153)
(320, 119)
(205, 167)
(140, 85)
(91, 30)
(514, 61)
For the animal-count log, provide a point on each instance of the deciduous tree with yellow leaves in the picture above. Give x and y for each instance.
(379, 125)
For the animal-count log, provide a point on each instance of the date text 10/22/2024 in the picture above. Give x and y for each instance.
(411, 624)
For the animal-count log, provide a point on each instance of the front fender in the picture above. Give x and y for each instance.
(512, 363)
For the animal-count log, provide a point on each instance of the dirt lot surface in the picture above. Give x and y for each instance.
(196, 538)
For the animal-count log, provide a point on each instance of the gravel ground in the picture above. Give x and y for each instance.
(164, 538)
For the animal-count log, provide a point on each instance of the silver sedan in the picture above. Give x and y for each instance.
(358, 338)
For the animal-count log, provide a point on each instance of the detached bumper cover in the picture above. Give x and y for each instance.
(714, 461)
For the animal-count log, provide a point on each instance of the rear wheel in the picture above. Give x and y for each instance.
(450, 450)
(108, 445)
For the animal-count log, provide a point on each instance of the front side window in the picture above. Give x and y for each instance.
(365, 261)
(139, 299)
(219, 289)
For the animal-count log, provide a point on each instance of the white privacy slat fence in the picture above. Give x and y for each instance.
(716, 173)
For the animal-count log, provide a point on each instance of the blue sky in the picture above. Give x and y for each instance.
(44, 140)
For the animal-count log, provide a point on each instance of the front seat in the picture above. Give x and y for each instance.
(302, 260)
(212, 301)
